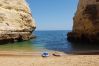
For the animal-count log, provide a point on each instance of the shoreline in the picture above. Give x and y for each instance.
(35, 59)
(21, 53)
(14, 58)
(38, 53)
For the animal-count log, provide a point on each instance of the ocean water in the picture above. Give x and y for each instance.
(49, 41)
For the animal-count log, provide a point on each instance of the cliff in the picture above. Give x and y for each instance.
(86, 22)
(16, 21)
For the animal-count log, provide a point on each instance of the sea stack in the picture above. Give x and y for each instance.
(16, 22)
(86, 22)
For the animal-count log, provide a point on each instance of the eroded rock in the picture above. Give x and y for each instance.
(16, 22)
(86, 22)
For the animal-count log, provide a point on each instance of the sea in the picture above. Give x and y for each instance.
(49, 40)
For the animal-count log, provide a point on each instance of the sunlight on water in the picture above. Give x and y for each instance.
(48, 41)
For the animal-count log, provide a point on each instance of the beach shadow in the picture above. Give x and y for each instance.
(84, 48)
(56, 41)
(75, 48)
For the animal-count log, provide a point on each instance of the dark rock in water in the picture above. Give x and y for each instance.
(86, 22)
(81, 37)
(16, 22)
(15, 37)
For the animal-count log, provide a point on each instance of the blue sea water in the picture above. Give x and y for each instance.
(52, 40)
(49, 41)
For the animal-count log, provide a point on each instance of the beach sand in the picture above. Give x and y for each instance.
(35, 59)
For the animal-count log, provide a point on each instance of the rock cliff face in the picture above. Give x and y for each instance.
(86, 22)
(16, 21)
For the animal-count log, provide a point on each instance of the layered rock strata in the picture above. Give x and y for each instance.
(16, 22)
(86, 22)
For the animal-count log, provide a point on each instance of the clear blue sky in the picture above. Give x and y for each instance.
(53, 14)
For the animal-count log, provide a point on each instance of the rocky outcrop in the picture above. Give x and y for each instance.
(16, 21)
(86, 22)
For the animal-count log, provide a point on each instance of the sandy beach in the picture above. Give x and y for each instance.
(35, 59)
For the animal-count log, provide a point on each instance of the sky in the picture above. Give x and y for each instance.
(53, 14)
